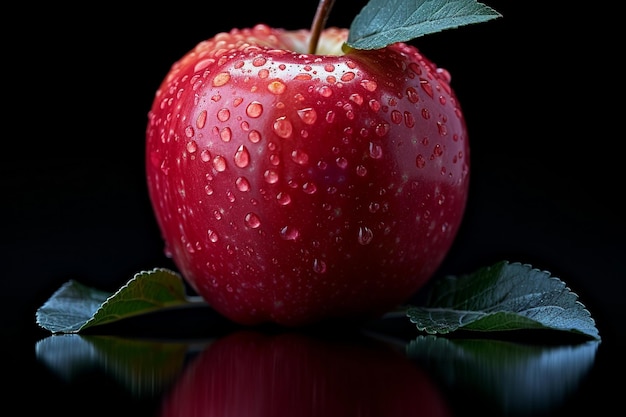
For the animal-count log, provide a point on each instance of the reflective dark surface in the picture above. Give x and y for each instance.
(369, 371)
(546, 189)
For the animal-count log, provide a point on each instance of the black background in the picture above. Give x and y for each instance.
(538, 88)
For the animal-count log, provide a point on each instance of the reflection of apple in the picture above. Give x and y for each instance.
(250, 373)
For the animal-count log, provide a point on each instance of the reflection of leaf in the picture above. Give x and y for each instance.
(505, 296)
(67, 355)
(75, 307)
(521, 379)
(143, 366)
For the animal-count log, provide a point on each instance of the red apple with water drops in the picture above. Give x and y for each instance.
(295, 187)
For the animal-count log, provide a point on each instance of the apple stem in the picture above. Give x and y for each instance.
(321, 15)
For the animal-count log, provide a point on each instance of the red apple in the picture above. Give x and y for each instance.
(294, 187)
(249, 373)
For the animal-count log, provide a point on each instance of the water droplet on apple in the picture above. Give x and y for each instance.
(428, 89)
(189, 132)
(356, 98)
(300, 157)
(325, 91)
(443, 130)
(242, 157)
(303, 77)
(342, 162)
(271, 176)
(369, 85)
(409, 120)
(361, 171)
(382, 129)
(219, 163)
(374, 104)
(309, 187)
(420, 161)
(201, 119)
(376, 151)
(276, 87)
(412, 95)
(189, 247)
(242, 184)
(197, 83)
(283, 128)
(374, 207)
(289, 233)
(208, 190)
(319, 266)
(192, 146)
(226, 134)
(348, 111)
(308, 115)
(444, 74)
(223, 115)
(254, 136)
(254, 109)
(348, 76)
(221, 79)
(213, 237)
(203, 64)
(365, 235)
(264, 73)
(252, 220)
(205, 155)
(396, 117)
(283, 198)
(259, 61)
(274, 159)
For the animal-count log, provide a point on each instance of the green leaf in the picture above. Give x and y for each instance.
(505, 296)
(75, 307)
(383, 22)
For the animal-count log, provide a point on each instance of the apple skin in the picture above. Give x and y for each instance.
(251, 373)
(295, 188)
